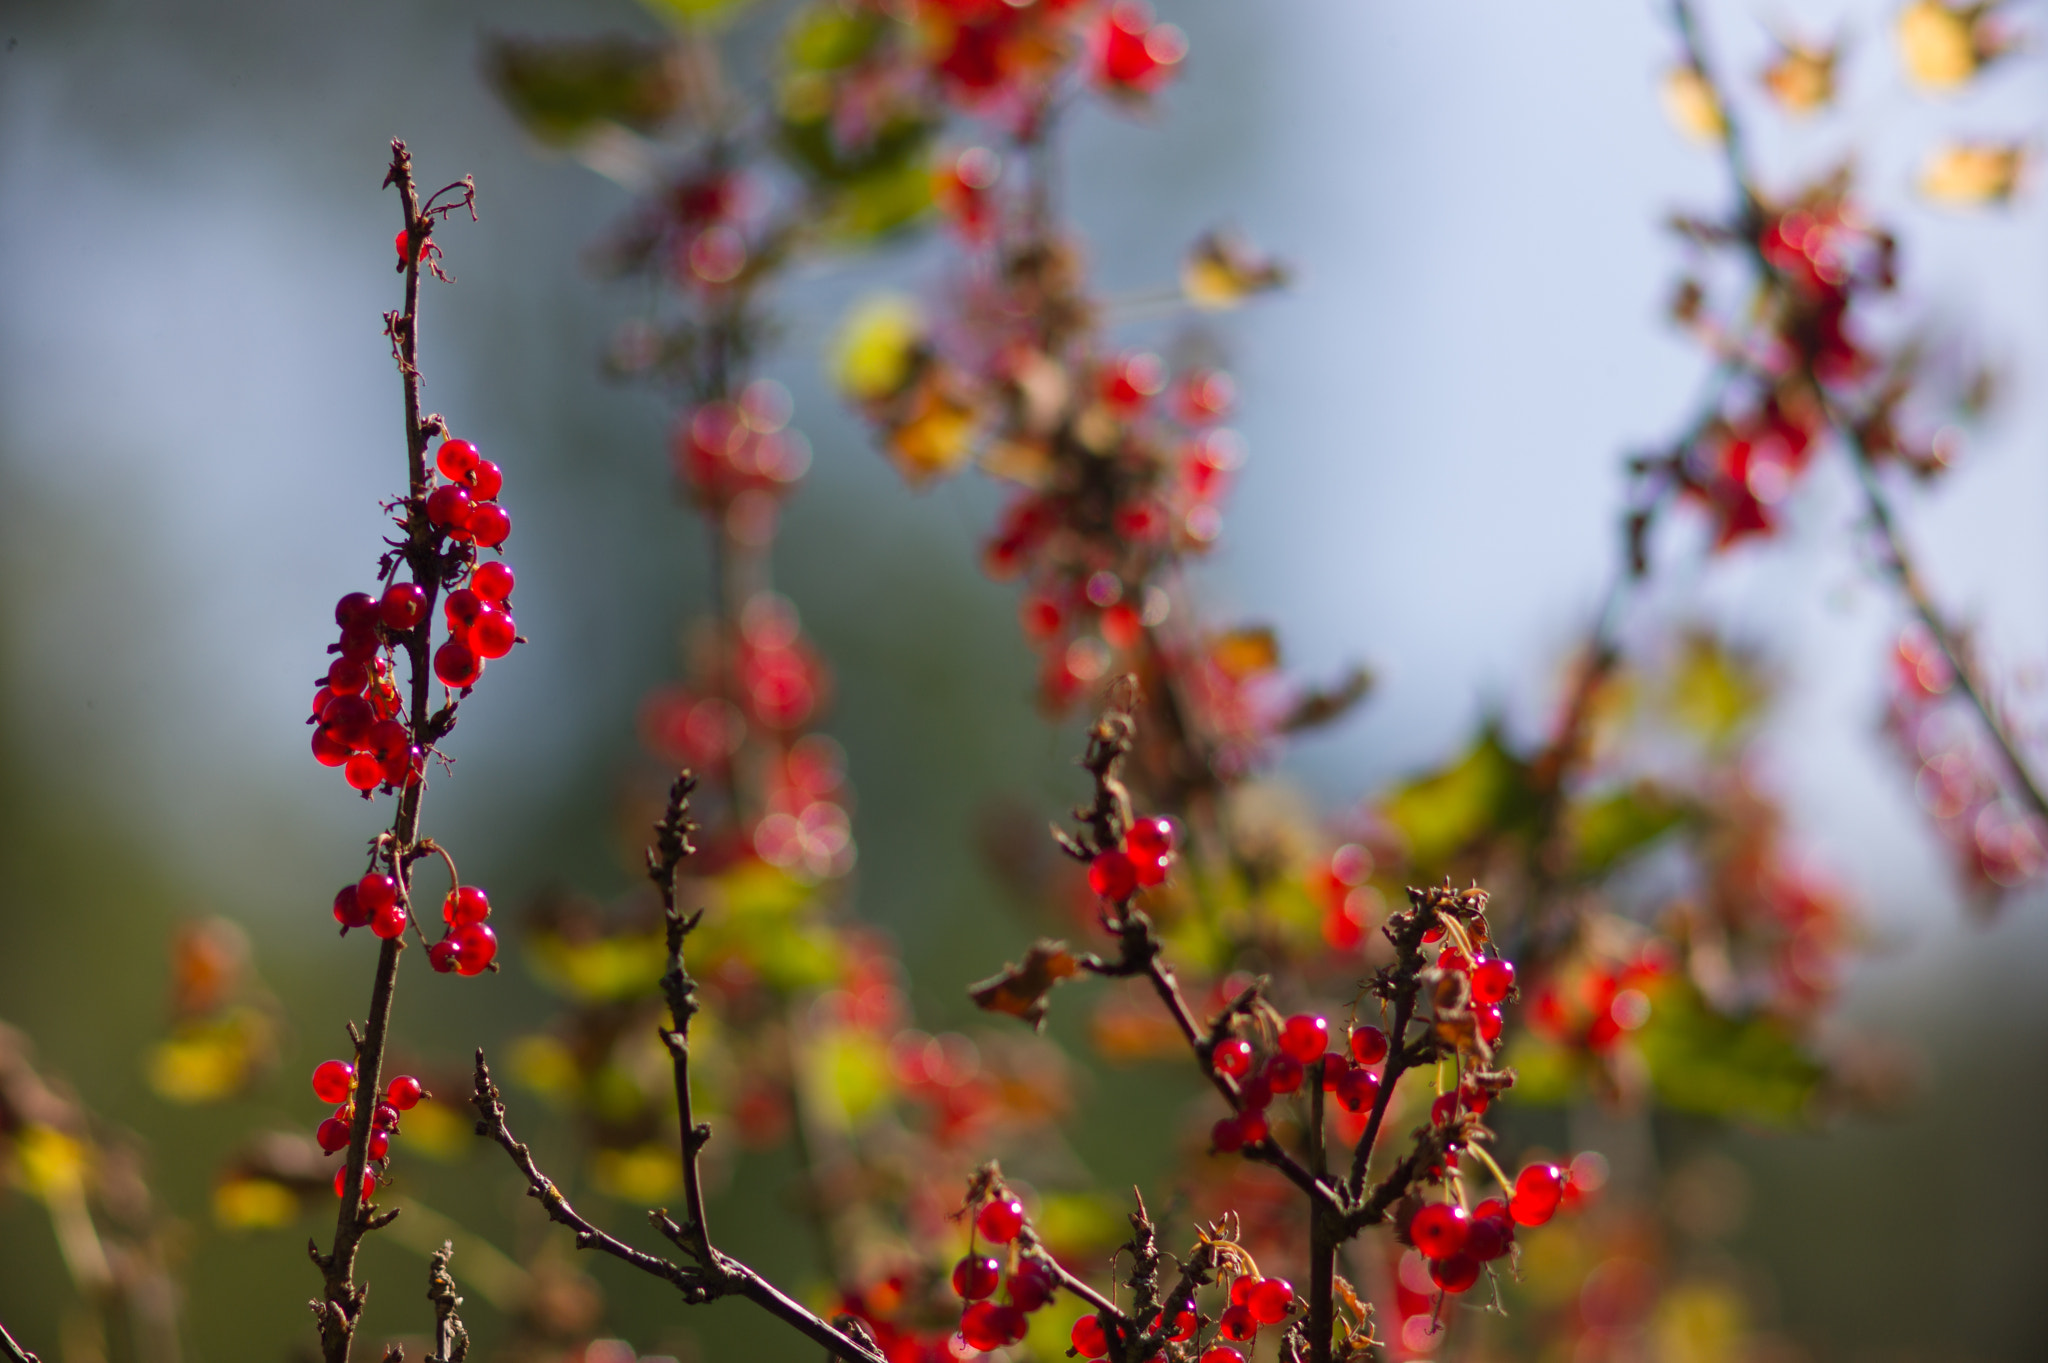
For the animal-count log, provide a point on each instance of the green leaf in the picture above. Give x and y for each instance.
(1605, 831)
(1714, 691)
(696, 13)
(1485, 793)
(830, 36)
(564, 90)
(891, 197)
(1706, 1062)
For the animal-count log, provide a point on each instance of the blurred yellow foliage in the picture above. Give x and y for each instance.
(1972, 174)
(936, 433)
(599, 969)
(1802, 80)
(249, 1203)
(49, 1164)
(1939, 43)
(437, 1130)
(645, 1173)
(1700, 1323)
(1691, 104)
(205, 1062)
(1222, 271)
(544, 1065)
(874, 353)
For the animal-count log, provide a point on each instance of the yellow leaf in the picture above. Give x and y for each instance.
(600, 969)
(645, 1173)
(856, 1065)
(254, 1204)
(206, 1062)
(544, 1065)
(51, 1165)
(936, 433)
(1971, 174)
(1246, 652)
(874, 355)
(1691, 104)
(1700, 1323)
(1939, 44)
(1222, 271)
(439, 1130)
(1802, 80)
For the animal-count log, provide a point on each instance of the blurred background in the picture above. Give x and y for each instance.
(198, 416)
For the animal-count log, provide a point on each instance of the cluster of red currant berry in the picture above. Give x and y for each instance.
(1117, 873)
(469, 945)
(479, 613)
(987, 1324)
(355, 711)
(334, 1082)
(1300, 1054)
(1459, 1243)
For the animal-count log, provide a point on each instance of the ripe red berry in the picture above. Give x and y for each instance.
(494, 633)
(405, 766)
(328, 750)
(403, 606)
(360, 642)
(1112, 876)
(464, 906)
(1538, 1190)
(441, 955)
(1450, 958)
(485, 480)
(1233, 1056)
(385, 1118)
(1222, 1353)
(1227, 1136)
(1089, 1339)
(976, 1276)
(1333, 1067)
(387, 737)
(357, 608)
(348, 719)
(492, 581)
(1455, 1273)
(1490, 1236)
(1150, 871)
(349, 910)
(1356, 1088)
(455, 459)
(1000, 1220)
(333, 1081)
(347, 677)
(1152, 837)
(1443, 1109)
(341, 1182)
(1237, 1324)
(476, 946)
(461, 610)
(1492, 981)
(398, 244)
(388, 921)
(363, 771)
(1283, 1074)
(457, 665)
(376, 891)
(489, 525)
(1270, 1299)
(1439, 1230)
(405, 1092)
(332, 1135)
(1031, 1285)
(1253, 1126)
(1305, 1037)
(1489, 1019)
(380, 1144)
(1241, 1289)
(450, 507)
(1368, 1045)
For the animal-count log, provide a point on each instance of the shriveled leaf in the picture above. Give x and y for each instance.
(563, 91)
(1021, 990)
(1486, 792)
(1223, 270)
(1327, 705)
(1606, 830)
(1246, 652)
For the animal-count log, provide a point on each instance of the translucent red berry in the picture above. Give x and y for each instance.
(328, 750)
(464, 906)
(341, 1183)
(357, 608)
(403, 606)
(347, 677)
(1490, 1236)
(1305, 1037)
(1489, 1019)
(1492, 981)
(1368, 1045)
(457, 665)
(1222, 1353)
(494, 633)
(1255, 1093)
(405, 1093)
(1088, 1337)
(492, 581)
(1000, 1220)
(332, 1135)
(461, 610)
(450, 507)
(485, 480)
(333, 1081)
(1450, 958)
(388, 921)
(455, 459)
(376, 891)
(363, 771)
(976, 1276)
(489, 525)
(349, 910)
(1270, 1299)
(385, 1118)
(360, 642)
(348, 719)
(1150, 838)
(1149, 871)
(1237, 1324)
(1283, 1074)
(1439, 1229)
(1233, 1056)
(1357, 1087)
(1455, 1273)
(1112, 876)
(1538, 1190)
(442, 955)
(386, 737)
(380, 1144)
(1241, 1289)
(476, 946)
(1031, 1285)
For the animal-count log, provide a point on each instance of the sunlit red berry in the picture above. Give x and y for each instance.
(976, 1276)
(1000, 1220)
(1538, 1190)
(341, 1183)
(363, 771)
(380, 1144)
(376, 891)
(492, 580)
(388, 921)
(1031, 1285)
(404, 1093)
(455, 459)
(348, 719)
(442, 955)
(1236, 1132)
(332, 1134)
(386, 737)
(347, 677)
(1450, 958)
(1150, 871)
(333, 1081)
(489, 525)
(1305, 1037)
(1088, 1337)
(485, 482)
(450, 507)
(1112, 876)
(1153, 837)
(1492, 980)
(1222, 1353)
(457, 665)
(384, 1118)
(1283, 1074)
(1439, 1229)
(476, 946)
(1489, 1020)
(403, 606)
(1357, 1087)
(357, 608)
(1270, 1299)
(494, 633)
(1233, 1056)
(360, 642)
(1184, 1325)
(466, 905)
(1455, 1273)
(986, 1326)
(349, 910)
(1237, 1324)
(1368, 1045)
(461, 610)
(1490, 1236)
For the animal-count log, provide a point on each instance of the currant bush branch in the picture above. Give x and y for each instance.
(12, 1351)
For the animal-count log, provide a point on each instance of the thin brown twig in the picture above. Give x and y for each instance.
(12, 1351)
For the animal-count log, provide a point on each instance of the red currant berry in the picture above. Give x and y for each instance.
(1443, 1109)
(1492, 981)
(1149, 871)
(1538, 1190)
(494, 632)
(1233, 1056)
(341, 1182)
(492, 581)
(1368, 1045)
(1227, 1136)
(1356, 1089)
(1450, 958)
(376, 891)
(1455, 1273)
(404, 605)
(1305, 1037)
(332, 1135)
(1270, 1299)
(1489, 1237)
(348, 720)
(349, 910)
(1031, 1286)
(385, 1118)
(1184, 1326)
(360, 642)
(320, 699)
(404, 767)
(476, 946)
(1283, 1074)
(398, 244)
(333, 1081)
(1222, 1353)
(485, 480)
(405, 1093)
(983, 1327)
(462, 608)
(457, 666)
(455, 459)
(1089, 1339)
(386, 738)
(450, 507)
(357, 608)
(328, 750)
(1439, 1230)
(1241, 1289)
(1000, 1220)
(347, 677)
(1433, 933)
(380, 1144)
(490, 525)
(1152, 837)
(389, 921)
(464, 906)
(363, 771)
(1112, 876)
(1489, 1019)
(975, 1276)
(1238, 1324)
(1333, 1068)
(441, 955)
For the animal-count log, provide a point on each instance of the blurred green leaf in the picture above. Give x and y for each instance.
(563, 90)
(830, 36)
(1705, 1062)
(1714, 691)
(1606, 830)
(878, 203)
(1485, 793)
(696, 13)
